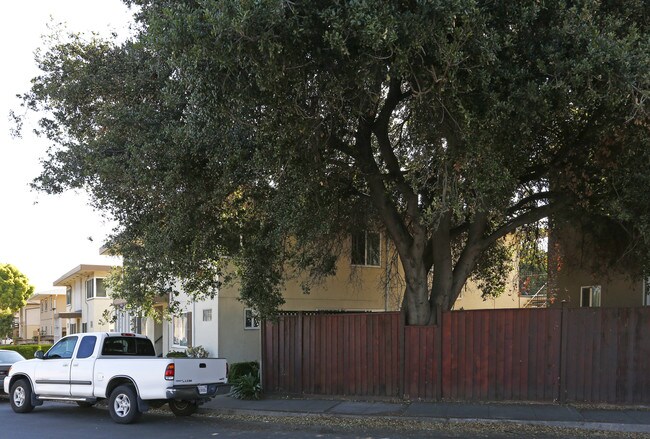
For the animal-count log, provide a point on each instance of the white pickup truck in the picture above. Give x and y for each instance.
(123, 368)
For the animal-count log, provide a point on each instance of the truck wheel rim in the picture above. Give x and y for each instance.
(122, 405)
(19, 396)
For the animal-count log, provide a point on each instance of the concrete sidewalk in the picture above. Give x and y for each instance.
(621, 419)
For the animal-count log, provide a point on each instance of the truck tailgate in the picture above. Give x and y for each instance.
(199, 370)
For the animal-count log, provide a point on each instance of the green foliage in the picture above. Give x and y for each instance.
(14, 289)
(247, 140)
(6, 325)
(197, 352)
(246, 387)
(27, 350)
(176, 354)
(238, 370)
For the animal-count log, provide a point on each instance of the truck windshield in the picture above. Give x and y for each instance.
(127, 346)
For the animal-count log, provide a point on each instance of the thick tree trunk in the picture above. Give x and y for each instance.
(416, 295)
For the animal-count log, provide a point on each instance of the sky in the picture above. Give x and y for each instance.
(44, 236)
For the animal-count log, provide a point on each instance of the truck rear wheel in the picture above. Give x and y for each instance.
(123, 405)
(182, 408)
(20, 397)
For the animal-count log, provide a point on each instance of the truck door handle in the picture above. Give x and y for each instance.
(202, 366)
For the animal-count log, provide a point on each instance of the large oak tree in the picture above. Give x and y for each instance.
(261, 133)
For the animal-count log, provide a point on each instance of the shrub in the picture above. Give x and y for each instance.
(237, 370)
(26, 350)
(197, 352)
(246, 387)
(176, 354)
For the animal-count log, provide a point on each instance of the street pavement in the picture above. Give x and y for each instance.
(609, 418)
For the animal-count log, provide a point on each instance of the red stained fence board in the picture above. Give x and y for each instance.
(584, 354)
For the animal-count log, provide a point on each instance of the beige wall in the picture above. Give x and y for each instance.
(573, 265)
(49, 324)
(29, 321)
(470, 298)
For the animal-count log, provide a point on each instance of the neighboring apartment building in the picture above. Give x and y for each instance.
(50, 302)
(581, 275)
(86, 299)
(368, 278)
(28, 322)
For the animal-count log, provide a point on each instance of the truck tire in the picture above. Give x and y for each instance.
(123, 405)
(182, 408)
(20, 397)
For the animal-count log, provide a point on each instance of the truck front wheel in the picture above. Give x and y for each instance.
(123, 405)
(20, 397)
(182, 408)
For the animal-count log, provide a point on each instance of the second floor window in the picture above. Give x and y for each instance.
(365, 248)
(95, 288)
(68, 295)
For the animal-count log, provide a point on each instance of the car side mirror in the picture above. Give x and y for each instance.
(39, 354)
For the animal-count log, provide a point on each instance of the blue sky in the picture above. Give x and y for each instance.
(44, 236)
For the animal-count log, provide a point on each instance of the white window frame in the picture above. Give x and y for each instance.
(366, 248)
(91, 293)
(595, 296)
(181, 324)
(251, 319)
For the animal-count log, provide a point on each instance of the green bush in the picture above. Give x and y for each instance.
(176, 354)
(197, 352)
(26, 350)
(237, 370)
(246, 387)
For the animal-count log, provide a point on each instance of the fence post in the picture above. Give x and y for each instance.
(402, 350)
(564, 339)
(438, 340)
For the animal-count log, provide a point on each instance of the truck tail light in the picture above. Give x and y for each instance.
(169, 372)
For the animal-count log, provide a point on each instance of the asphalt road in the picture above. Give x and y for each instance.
(67, 421)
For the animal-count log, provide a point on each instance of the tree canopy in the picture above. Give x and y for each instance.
(15, 289)
(260, 134)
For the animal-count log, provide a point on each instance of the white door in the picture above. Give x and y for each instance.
(52, 373)
(83, 365)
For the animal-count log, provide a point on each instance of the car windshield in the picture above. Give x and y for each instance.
(10, 357)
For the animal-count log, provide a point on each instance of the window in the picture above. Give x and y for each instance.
(84, 327)
(182, 330)
(68, 295)
(73, 328)
(63, 349)
(90, 288)
(87, 346)
(128, 346)
(207, 315)
(95, 288)
(590, 296)
(251, 319)
(100, 288)
(365, 249)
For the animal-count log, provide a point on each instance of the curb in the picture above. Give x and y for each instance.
(579, 425)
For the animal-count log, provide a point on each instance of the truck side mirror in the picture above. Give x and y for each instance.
(39, 354)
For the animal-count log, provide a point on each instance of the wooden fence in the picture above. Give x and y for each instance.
(565, 355)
